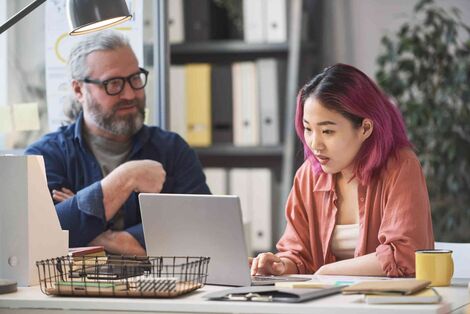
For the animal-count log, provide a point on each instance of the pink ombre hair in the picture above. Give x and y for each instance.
(353, 94)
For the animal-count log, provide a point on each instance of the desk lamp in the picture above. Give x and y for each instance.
(85, 16)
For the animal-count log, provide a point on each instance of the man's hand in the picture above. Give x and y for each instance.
(267, 264)
(132, 176)
(146, 175)
(62, 195)
(119, 242)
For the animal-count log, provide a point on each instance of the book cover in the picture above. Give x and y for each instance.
(87, 251)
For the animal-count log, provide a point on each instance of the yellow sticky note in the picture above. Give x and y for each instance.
(5, 119)
(26, 116)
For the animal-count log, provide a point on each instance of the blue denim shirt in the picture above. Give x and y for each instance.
(70, 164)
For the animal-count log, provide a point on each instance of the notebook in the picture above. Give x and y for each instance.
(201, 225)
(428, 295)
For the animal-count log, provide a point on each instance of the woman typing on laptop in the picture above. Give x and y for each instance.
(359, 203)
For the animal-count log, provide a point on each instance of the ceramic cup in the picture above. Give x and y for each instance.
(436, 266)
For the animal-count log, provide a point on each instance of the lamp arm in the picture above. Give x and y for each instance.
(18, 16)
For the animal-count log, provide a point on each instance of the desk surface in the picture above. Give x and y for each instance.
(31, 298)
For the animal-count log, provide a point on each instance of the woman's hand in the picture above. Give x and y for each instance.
(267, 264)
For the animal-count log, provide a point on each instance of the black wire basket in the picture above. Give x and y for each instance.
(122, 276)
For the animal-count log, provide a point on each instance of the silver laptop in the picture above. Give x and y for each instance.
(201, 225)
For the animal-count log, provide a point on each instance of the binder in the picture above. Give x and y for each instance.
(175, 21)
(261, 208)
(253, 21)
(268, 101)
(198, 104)
(196, 14)
(271, 294)
(254, 188)
(245, 104)
(239, 185)
(275, 20)
(217, 179)
(178, 100)
(222, 115)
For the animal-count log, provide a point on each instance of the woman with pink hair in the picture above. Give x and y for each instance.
(359, 203)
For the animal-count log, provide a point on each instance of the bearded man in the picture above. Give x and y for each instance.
(97, 165)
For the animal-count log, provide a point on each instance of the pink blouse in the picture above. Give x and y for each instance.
(394, 217)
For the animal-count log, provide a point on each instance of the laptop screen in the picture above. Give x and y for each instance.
(198, 225)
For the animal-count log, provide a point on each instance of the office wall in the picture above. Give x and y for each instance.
(353, 28)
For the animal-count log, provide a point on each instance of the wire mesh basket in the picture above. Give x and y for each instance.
(122, 276)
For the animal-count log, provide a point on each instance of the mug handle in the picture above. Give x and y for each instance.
(452, 267)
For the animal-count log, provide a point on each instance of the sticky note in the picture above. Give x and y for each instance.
(5, 119)
(26, 116)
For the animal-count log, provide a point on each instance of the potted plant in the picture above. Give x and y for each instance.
(425, 66)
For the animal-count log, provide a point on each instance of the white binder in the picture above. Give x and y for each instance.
(245, 104)
(175, 21)
(253, 187)
(261, 204)
(254, 29)
(217, 180)
(275, 21)
(268, 101)
(178, 122)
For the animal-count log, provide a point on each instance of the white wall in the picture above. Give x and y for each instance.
(353, 28)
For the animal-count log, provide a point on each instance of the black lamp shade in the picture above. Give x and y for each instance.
(87, 16)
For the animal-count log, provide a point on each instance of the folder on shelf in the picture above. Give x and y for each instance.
(275, 20)
(175, 21)
(222, 115)
(216, 179)
(239, 184)
(197, 20)
(261, 208)
(253, 20)
(198, 104)
(178, 100)
(253, 187)
(246, 127)
(268, 100)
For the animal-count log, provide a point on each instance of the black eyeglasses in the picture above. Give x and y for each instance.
(115, 85)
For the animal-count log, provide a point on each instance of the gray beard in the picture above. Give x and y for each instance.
(126, 126)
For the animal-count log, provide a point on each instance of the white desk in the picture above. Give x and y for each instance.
(28, 300)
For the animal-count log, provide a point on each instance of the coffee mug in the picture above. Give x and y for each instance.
(436, 266)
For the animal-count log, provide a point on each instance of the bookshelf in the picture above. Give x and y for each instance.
(299, 58)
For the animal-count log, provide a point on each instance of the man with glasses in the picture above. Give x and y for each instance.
(96, 165)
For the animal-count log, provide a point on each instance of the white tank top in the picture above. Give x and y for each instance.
(344, 241)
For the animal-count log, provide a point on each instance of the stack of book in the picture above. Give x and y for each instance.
(87, 256)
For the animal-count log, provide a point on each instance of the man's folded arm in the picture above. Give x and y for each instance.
(83, 215)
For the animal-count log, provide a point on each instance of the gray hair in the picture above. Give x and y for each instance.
(103, 40)
(77, 65)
